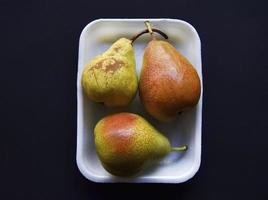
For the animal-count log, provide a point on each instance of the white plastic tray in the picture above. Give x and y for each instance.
(96, 37)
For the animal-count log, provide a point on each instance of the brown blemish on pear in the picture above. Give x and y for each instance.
(112, 65)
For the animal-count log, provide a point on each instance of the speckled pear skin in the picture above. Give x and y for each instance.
(111, 77)
(125, 141)
(169, 84)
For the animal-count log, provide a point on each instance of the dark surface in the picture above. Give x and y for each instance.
(39, 46)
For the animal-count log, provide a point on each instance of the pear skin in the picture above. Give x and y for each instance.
(169, 84)
(125, 141)
(111, 77)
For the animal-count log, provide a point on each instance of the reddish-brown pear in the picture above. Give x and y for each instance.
(169, 84)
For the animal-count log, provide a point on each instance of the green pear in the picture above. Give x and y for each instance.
(111, 77)
(126, 141)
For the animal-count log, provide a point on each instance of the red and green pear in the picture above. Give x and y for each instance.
(126, 141)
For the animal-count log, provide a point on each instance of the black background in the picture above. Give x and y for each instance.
(38, 60)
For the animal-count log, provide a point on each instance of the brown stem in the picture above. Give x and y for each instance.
(147, 31)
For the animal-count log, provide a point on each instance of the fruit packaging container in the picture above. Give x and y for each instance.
(177, 167)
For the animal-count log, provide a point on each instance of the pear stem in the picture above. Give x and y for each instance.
(148, 30)
(182, 148)
(149, 27)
